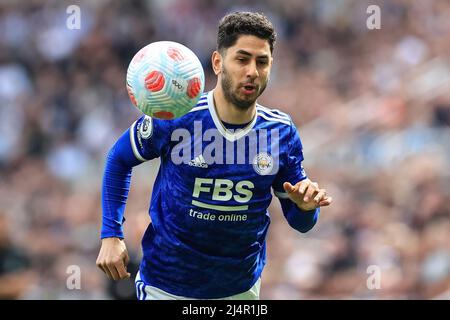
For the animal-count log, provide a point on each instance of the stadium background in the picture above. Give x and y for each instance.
(372, 107)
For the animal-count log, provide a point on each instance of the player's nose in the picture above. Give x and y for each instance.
(252, 71)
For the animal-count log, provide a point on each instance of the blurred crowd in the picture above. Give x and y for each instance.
(372, 108)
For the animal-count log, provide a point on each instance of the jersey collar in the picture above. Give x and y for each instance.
(227, 134)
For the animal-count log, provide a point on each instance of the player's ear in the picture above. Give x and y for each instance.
(216, 62)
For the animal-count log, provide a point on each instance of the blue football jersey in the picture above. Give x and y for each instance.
(210, 198)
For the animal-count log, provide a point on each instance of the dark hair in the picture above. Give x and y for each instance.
(236, 24)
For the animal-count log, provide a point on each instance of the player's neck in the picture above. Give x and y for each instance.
(228, 112)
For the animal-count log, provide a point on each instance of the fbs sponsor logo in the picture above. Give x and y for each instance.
(199, 161)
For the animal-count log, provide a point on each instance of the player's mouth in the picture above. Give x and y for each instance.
(249, 88)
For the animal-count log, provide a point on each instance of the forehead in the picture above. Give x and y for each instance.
(251, 44)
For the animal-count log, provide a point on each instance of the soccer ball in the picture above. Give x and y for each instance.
(165, 80)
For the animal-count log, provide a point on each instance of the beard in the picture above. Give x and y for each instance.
(232, 96)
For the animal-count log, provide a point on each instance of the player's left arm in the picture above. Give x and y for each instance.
(307, 195)
(300, 214)
(300, 197)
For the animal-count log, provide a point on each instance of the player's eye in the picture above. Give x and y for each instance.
(263, 62)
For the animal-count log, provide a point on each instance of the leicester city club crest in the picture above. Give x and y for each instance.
(263, 163)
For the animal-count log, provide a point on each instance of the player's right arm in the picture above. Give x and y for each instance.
(141, 142)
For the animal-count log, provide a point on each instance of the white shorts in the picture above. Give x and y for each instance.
(146, 292)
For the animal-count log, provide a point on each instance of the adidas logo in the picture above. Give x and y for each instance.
(199, 161)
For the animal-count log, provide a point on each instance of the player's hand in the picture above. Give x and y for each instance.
(113, 258)
(307, 195)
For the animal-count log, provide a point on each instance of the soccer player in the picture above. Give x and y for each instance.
(219, 163)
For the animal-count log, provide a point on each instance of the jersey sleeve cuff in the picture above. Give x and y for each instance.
(109, 234)
(281, 195)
